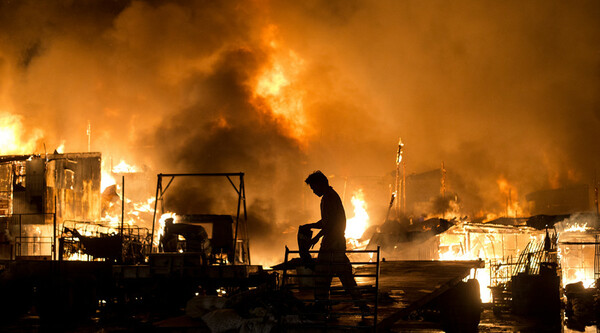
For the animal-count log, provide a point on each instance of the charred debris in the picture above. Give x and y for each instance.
(64, 267)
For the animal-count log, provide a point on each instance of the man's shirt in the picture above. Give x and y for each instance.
(333, 219)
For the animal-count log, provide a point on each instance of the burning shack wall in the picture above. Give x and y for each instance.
(467, 241)
(491, 243)
(577, 253)
(579, 248)
(39, 193)
(500, 246)
(475, 240)
(76, 186)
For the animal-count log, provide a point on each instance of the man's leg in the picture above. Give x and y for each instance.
(344, 272)
(324, 274)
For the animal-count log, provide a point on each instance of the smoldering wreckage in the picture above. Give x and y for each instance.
(64, 268)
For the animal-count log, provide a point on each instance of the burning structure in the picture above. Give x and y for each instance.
(53, 208)
(528, 260)
(39, 193)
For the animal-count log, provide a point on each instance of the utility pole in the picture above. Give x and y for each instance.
(89, 136)
(122, 212)
(596, 197)
(399, 189)
(403, 187)
(443, 187)
(508, 202)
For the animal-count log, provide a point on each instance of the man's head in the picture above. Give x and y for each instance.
(318, 182)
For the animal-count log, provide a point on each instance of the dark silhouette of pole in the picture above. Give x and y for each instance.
(122, 212)
(158, 186)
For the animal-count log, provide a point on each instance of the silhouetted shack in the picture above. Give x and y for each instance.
(421, 190)
(566, 200)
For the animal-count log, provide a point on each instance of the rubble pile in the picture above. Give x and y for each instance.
(257, 310)
(583, 305)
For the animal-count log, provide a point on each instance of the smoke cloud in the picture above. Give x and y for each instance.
(505, 90)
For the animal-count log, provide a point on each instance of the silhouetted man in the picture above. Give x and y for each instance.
(332, 259)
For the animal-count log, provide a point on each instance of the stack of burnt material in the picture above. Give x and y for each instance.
(583, 306)
(537, 294)
(535, 284)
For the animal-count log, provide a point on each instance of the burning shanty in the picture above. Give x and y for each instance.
(153, 158)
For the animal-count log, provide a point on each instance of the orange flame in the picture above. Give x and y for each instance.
(275, 85)
(576, 227)
(106, 180)
(452, 252)
(356, 226)
(61, 148)
(123, 167)
(11, 130)
(454, 246)
(574, 275)
(161, 226)
(510, 193)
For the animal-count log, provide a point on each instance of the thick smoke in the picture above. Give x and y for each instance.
(504, 90)
(495, 90)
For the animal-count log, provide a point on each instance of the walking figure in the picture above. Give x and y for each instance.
(332, 259)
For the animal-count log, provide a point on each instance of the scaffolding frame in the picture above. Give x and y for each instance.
(240, 189)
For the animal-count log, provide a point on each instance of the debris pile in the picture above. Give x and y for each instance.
(583, 305)
(256, 310)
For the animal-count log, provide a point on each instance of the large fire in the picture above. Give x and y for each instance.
(276, 85)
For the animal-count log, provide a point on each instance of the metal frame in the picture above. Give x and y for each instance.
(372, 287)
(16, 220)
(240, 190)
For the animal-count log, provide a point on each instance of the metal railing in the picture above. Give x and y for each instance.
(31, 235)
(500, 276)
(336, 311)
(36, 235)
(136, 240)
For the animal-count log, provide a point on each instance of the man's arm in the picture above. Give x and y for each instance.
(316, 225)
(315, 239)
